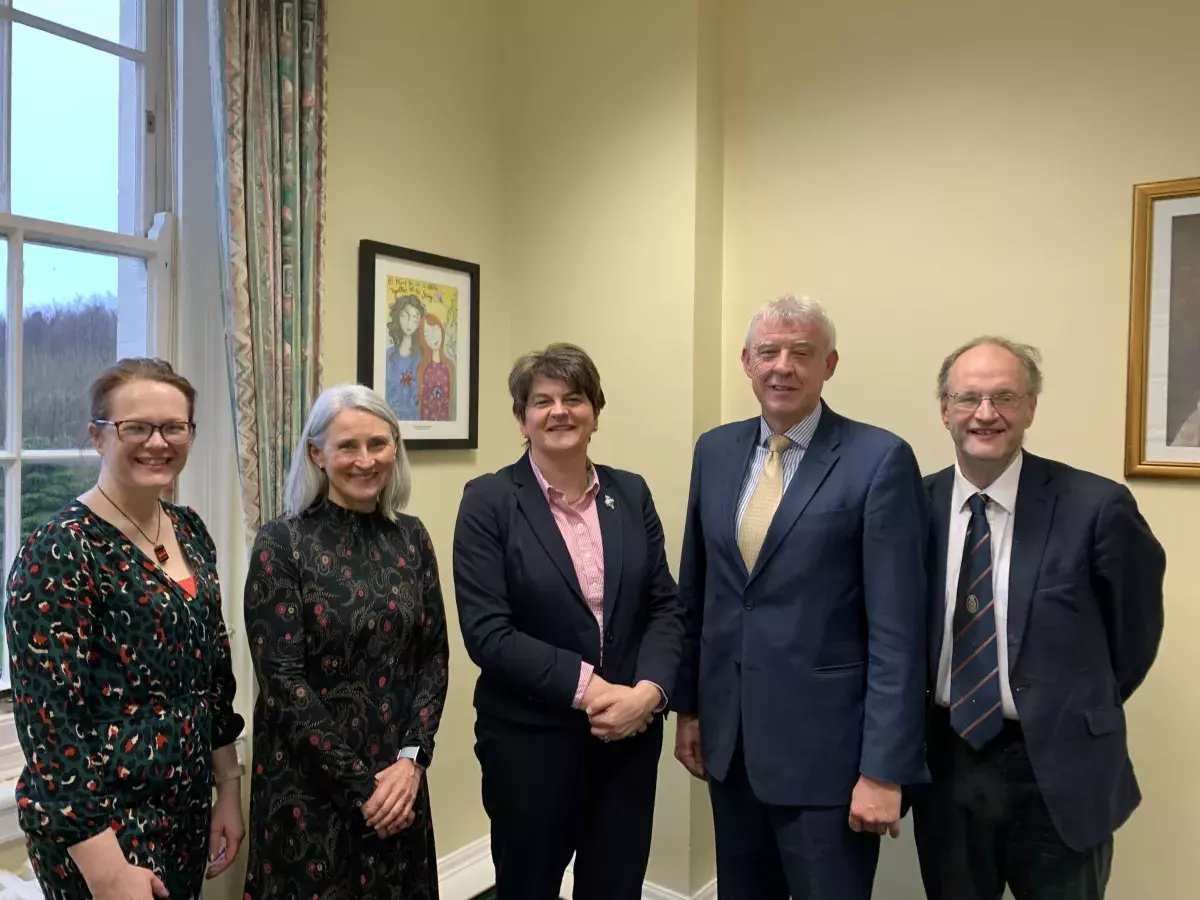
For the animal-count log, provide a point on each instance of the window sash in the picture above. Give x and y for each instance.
(146, 172)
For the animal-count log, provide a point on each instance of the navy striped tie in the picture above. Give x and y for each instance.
(975, 710)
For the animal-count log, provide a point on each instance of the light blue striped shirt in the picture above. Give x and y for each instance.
(800, 434)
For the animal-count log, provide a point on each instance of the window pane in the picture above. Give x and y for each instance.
(74, 140)
(73, 301)
(48, 487)
(3, 342)
(101, 18)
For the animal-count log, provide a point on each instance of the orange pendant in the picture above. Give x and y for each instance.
(161, 552)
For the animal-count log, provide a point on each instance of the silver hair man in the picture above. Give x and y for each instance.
(793, 310)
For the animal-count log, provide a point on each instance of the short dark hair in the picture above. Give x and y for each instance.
(138, 369)
(562, 362)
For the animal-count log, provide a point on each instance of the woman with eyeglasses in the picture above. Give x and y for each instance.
(347, 632)
(122, 686)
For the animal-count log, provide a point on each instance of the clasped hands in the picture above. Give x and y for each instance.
(616, 711)
(389, 809)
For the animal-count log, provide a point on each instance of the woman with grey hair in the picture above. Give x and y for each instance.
(347, 632)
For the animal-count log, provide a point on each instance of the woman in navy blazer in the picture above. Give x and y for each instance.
(568, 608)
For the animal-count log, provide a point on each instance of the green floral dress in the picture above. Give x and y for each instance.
(122, 687)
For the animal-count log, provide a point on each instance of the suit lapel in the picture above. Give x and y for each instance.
(610, 533)
(743, 451)
(1035, 510)
(536, 509)
(818, 459)
(940, 497)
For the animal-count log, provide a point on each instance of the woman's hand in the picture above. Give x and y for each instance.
(107, 873)
(126, 882)
(389, 810)
(226, 831)
(622, 711)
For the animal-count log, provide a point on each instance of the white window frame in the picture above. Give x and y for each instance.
(209, 483)
(146, 232)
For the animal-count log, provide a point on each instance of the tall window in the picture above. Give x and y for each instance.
(85, 251)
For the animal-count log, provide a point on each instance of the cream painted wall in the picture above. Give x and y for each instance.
(934, 170)
(707, 339)
(414, 130)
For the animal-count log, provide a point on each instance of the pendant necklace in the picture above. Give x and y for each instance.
(159, 550)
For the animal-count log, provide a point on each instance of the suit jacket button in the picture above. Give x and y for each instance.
(608, 636)
(749, 605)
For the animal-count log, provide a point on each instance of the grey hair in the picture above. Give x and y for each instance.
(792, 310)
(308, 483)
(1027, 355)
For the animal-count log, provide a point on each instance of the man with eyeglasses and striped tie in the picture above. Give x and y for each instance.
(802, 686)
(1046, 614)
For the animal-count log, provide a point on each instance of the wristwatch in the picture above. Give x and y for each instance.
(416, 754)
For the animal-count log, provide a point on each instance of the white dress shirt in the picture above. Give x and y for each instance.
(1001, 510)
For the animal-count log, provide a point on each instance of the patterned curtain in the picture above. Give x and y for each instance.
(269, 85)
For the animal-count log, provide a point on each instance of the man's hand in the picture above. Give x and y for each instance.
(875, 807)
(687, 745)
(620, 711)
(389, 809)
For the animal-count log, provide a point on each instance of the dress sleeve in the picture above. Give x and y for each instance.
(52, 625)
(227, 725)
(274, 613)
(432, 656)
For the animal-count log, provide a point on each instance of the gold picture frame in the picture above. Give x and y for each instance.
(1162, 426)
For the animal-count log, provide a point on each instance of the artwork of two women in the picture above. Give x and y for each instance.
(419, 377)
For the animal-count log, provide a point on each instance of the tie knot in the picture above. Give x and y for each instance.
(978, 504)
(777, 443)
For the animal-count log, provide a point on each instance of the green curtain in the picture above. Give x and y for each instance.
(269, 76)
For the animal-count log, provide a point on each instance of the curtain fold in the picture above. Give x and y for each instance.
(269, 74)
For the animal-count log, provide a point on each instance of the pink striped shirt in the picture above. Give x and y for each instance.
(579, 525)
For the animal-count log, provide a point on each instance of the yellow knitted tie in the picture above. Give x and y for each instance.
(763, 502)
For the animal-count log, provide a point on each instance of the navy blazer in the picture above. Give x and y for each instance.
(523, 615)
(818, 655)
(1085, 616)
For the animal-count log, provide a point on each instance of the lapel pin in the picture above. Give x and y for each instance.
(610, 502)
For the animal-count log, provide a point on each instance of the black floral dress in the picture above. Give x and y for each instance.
(348, 636)
(122, 687)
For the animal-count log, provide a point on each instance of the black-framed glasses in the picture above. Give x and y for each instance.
(1002, 401)
(133, 431)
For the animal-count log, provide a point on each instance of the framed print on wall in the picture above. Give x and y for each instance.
(1162, 430)
(418, 342)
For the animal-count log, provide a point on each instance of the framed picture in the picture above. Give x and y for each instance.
(418, 342)
(1163, 406)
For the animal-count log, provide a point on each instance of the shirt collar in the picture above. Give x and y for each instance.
(800, 434)
(1002, 491)
(593, 485)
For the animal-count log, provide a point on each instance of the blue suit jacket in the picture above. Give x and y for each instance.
(1085, 616)
(523, 616)
(818, 655)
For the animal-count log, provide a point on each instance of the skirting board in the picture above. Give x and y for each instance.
(468, 872)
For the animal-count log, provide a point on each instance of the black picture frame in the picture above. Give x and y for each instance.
(397, 285)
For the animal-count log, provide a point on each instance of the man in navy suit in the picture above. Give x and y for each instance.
(801, 688)
(1046, 614)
